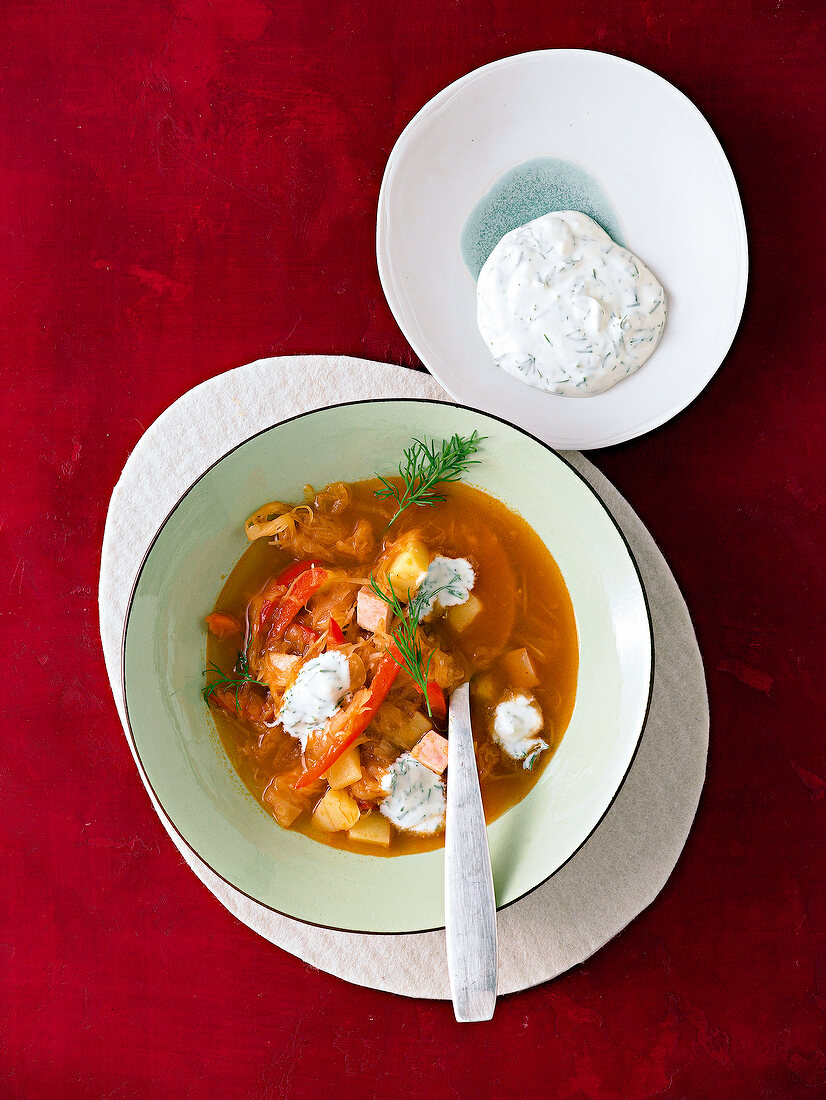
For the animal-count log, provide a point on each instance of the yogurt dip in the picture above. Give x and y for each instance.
(447, 583)
(416, 799)
(565, 309)
(516, 726)
(315, 694)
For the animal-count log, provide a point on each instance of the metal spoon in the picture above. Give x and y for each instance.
(470, 905)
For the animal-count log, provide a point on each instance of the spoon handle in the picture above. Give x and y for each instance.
(470, 906)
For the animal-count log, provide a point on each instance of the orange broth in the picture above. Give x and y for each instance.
(525, 603)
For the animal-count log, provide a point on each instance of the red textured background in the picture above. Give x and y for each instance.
(191, 184)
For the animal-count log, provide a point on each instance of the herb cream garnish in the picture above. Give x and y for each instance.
(565, 309)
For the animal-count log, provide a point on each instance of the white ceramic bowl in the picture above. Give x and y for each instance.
(664, 173)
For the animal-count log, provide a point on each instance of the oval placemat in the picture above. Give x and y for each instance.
(628, 859)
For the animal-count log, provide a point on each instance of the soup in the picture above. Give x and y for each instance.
(340, 634)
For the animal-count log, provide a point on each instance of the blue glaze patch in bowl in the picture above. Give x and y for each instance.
(529, 190)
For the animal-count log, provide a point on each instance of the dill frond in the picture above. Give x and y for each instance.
(406, 637)
(242, 675)
(425, 465)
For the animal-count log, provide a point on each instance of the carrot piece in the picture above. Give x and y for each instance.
(438, 703)
(222, 624)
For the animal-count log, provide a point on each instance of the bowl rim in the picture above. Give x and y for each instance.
(169, 822)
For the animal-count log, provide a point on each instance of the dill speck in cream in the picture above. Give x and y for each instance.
(564, 308)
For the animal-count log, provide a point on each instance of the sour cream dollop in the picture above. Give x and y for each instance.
(314, 695)
(447, 583)
(516, 724)
(416, 801)
(564, 308)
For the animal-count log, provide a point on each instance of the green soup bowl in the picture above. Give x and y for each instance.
(164, 654)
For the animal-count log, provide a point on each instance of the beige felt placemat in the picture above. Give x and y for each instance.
(627, 861)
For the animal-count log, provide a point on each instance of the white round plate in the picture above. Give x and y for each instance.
(663, 170)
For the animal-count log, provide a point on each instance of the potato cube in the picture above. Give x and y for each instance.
(419, 724)
(407, 569)
(336, 811)
(406, 735)
(432, 752)
(372, 613)
(372, 829)
(461, 615)
(520, 668)
(285, 809)
(346, 770)
(447, 669)
(483, 687)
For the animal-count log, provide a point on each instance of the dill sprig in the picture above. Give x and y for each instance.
(406, 637)
(242, 676)
(425, 465)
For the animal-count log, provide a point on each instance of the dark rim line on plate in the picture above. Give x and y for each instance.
(289, 420)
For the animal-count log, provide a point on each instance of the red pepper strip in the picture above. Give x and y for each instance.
(267, 608)
(438, 703)
(295, 570)
(307, 582)
(357, 717)
(284, 580)
(334, 633)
